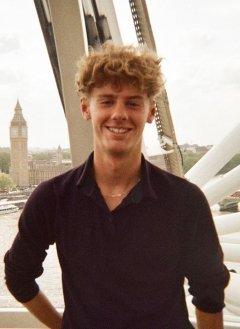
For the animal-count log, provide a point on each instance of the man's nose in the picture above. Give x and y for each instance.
(119, 111)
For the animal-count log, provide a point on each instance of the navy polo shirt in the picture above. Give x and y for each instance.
(121, 269)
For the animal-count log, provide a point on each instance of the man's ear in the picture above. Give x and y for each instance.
(85, 108)
(152, 111)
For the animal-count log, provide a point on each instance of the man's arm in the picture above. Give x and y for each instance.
(23, 262)
(44, 311)
(206, 273)
(209, 320)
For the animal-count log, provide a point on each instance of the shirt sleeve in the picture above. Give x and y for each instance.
(23, 262)
(207, 275)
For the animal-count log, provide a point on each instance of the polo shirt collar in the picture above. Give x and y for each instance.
(146, 178)
(86, 181)
(144, 189)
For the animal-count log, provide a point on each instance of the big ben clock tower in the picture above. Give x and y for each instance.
(19, 149)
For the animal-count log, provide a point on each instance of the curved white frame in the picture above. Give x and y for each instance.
(227, 226)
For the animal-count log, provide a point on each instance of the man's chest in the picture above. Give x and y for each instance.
(136, 244)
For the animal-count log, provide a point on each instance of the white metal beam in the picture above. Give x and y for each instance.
(225, 186)
(215, 159)
(71, 43)
(227, 224)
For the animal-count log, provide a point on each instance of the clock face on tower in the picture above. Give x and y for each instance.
(24, 132)
(18, 132)
(14, 132)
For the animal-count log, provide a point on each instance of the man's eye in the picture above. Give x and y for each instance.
(133, 104)
(107, 102)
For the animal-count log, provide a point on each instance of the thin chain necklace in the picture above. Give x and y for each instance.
(118, 195)
(115, 195)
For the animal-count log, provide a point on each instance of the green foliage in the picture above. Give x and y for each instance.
(46, 155)
(234, 162)
(190, 159)
(6, 183)
(43, 155)
(4, 160)
(49, 155)
(66, 154)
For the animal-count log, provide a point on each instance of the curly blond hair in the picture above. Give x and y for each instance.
(120, 65)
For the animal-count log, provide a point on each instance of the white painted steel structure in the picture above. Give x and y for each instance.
(68, 23)
(227, 226)
(215, 159)
(226, 185)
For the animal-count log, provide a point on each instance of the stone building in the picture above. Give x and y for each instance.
(19, 152)
(41, 170)
(25, 171)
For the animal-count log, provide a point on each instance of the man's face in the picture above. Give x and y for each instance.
(118, 118)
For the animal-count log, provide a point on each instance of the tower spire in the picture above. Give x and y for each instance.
(18, 106)
(18, 118)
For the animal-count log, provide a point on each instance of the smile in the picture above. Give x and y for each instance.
(118, 130)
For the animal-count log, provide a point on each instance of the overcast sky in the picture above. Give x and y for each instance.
(199, 41)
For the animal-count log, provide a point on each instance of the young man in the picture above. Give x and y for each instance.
(127, 233)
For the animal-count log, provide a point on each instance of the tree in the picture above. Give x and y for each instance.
(6, 183)
(234, 162)
(4, 161)
(190, 159)
(50, 154)
(44, 155)
(66, 154)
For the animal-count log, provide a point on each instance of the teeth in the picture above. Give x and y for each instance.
(118, 130)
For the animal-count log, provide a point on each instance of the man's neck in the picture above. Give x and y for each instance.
(114, 173)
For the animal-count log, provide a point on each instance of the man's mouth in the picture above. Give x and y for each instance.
(118, 130)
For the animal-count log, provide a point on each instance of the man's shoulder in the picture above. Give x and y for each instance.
(170, 184)
(160, 175)
(69, 177)
(60, 183)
